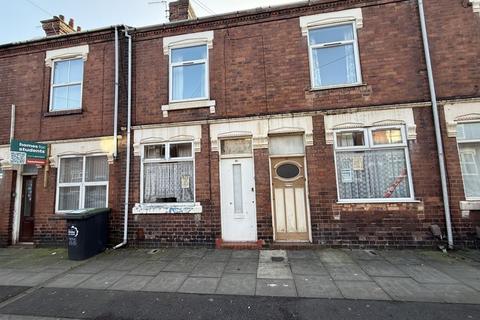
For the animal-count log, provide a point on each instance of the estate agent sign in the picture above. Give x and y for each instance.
(27, 152)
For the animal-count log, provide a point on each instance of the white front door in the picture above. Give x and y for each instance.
(237, 192)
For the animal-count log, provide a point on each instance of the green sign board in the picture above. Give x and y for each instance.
(28, 152)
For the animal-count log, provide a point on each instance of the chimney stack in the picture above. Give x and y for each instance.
(57, 26)
(181, 10)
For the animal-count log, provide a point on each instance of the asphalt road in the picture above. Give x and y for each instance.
(123, 305)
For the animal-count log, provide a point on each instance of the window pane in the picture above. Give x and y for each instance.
(60, 72)
(168, 182)
(350, 139)
(68, 198)
(71, 170)
(188, 82)
(95, 196)
(74, 97)
(237, 189)
(59, 98)
(189, 54)
(377, 174)
(155, 152)
(334, 66)
(468, 131)
(387, 136)
(96, 169)
(76, 70)
(236, 146)
(285, 145)
(331, 34)
(470, 162)
(180, 150)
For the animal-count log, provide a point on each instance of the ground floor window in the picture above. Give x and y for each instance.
(373, 164)
(468, 138)
(82, 183)
(168, 173)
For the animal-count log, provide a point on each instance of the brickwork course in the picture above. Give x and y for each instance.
(258, 69)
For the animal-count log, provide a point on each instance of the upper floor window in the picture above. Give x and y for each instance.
(334, 58)
(66, 85)
(373, 165)
(189, 73)
(468, 139)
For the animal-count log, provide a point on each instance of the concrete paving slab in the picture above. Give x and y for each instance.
(334, 257)
(102, 280)
(245, 254)
(364, 254)
(126, 264)
(347, 272)
(276, 287)
(316, 287)
(274, 270)
(266, 255)
(367, 290)
(472, 283)
(149, 268)
(217, 255)
(166, 282)
(212, 269)
(69, 280)
(426, 274)
(182, 265)
(237, 284)
(131, 283)
(307, 267)
(455, 293)
(406, 289)
(380, 268)
(241, 266)
(93, 266)
(36, 279)
(301, 254)
(199, 285)
(397, 257)
(193, 253)
(13, 278)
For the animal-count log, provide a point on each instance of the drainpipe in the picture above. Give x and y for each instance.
(438, 134)
(129, 124)
(115, 108)
(12, 123)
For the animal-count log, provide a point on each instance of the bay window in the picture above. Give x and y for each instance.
(189, 73)
(334, 58)
(468, 139)
(372, 165)
(168, 173)
(66, 85)
(82, 183)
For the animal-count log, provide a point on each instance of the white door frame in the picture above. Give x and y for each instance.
(220, 158)
(17, 206)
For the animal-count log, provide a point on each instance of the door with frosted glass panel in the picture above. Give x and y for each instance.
(237, 191)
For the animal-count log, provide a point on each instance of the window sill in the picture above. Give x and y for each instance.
(381, 201)
(341, 86)
(188, 105)
(469, 205)
(62, 113)
(166, 208)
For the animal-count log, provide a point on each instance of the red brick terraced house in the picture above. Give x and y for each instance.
(303, 124)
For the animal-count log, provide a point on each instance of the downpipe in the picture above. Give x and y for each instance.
(129, 124)
(115, 106)
(438, 134)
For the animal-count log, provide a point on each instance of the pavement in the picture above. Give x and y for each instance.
(42, 282)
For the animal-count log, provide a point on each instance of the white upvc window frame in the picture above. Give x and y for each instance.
(171, 65)
(53, 85)
(354, 41)
(368, 139)
(459, 142)
(83, 184)
(167, 159)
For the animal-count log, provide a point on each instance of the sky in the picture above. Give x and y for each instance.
(20, 19)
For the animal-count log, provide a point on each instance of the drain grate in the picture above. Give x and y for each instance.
(278, 259)
(153, 251)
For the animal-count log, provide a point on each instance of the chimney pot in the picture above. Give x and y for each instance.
(57, 26)
(79, 29)
(71, 23)
(61, 16)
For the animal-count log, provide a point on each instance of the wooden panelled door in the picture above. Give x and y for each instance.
(27, 209)
(289, 199)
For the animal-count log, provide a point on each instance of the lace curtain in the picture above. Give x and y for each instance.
(168, 182)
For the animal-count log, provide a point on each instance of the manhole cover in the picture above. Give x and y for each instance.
(278, 259)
